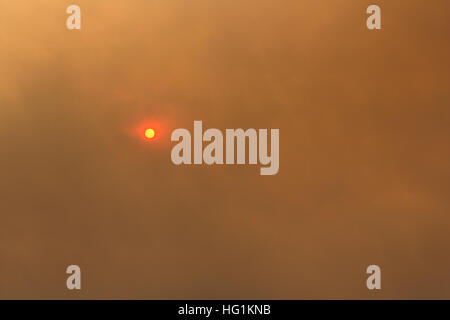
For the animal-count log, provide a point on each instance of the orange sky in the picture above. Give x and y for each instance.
(364, 160)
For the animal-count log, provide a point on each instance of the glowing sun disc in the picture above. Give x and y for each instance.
(149, 133)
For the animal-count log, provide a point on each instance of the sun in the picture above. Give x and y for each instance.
(149, 133)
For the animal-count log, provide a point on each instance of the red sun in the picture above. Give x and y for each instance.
(149, 133)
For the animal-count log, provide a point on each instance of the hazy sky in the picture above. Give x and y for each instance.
(364, 149)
